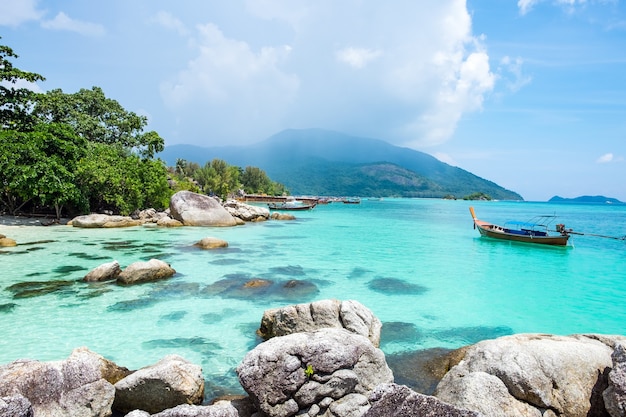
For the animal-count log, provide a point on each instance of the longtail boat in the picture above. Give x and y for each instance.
(534, 231)
(289, 205)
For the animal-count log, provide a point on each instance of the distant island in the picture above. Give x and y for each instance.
(596, 199)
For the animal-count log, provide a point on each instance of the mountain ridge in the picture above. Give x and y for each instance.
(317, 161)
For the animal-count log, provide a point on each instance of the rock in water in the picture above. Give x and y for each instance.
(193, 209)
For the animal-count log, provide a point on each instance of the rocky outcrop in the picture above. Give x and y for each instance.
(139, 272)
(168, 222)
(170, 382)
(329, 369)
(350, 315)
(615, 395)
(392, 400)
(6, 241)
(16, 406)
(247, 212)
(282, 216)
(193, 209)
(221, 409)
(211, 243)
(105, 272)
(73, 387)
(95, 220)
(531, 375)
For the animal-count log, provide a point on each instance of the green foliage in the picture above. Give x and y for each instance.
(478, 196)
(308, 372)
(15, 102)
(99, 119)
(256, 181)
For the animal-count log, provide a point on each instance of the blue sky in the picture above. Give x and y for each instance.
(530, 94)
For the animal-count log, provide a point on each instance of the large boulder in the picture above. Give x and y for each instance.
(527, 374)
(72, 387)
(139, 272)
(104, 220)
(16, 406)
(327, 370)
(170, 382)
(211, 243)
(615, 395)
(392, 400)
(193, 209)
(105, 272)
(247, 212)
(350, 315)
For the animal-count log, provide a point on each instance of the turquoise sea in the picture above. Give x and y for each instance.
(418, 264)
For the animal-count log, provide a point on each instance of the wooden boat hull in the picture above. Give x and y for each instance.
(497, 232)
(290, 207)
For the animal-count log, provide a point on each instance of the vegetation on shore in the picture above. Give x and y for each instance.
(76, 153)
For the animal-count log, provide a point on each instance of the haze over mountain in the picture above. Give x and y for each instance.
(322, 162)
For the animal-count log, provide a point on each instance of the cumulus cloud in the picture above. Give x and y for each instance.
(357, 57)
(513, 67)
(608, 158)
(419, 70)
(13, 13)
(63, 22)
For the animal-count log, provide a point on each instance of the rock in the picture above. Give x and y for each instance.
(16, 406)
(104, 272)
(139, 272)
(7, 242)
(138, 413)
(311, 371)
(615, 395)
(211, 243)
(350, 314)
(222, 409)
(193, 209)
(392, 400)
(103, 220)
(73, 387)
(247, 212)
(282, 216)
(167, 221)
(170, 382)
(527, 374)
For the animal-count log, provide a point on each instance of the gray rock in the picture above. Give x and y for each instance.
(138, 413)
(170, 382)
(16, 406)
(139, 272)
(193, 209)
(615, 395)
(392, 400)
(282, 216)
(104, 272)
(73, 387)
(221, 409)
(104, 220)
(339, 363)
(527, 374)
(350, 315)
(247, 212)
(167, 221)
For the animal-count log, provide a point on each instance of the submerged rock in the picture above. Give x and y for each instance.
(211, 243)
(7, 242)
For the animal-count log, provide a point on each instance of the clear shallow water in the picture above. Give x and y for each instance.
(417, 264)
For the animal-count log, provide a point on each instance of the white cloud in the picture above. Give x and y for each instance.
(13, 13)
(609, 158)
(513, 67)
(357, 57)
(63, 22)
(21, 83)
(444, 157)
(526, 6)
(168, 21)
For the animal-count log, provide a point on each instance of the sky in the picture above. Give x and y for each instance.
(529, 94)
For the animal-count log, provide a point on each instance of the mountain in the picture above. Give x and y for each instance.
(586, 199)
(322, 162)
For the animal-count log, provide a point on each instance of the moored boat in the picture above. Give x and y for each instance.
(534, 231)
(291, 205)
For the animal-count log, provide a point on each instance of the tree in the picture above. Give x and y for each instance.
(99, 119)
(15, 100)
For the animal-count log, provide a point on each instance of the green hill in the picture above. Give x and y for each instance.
(321, 162)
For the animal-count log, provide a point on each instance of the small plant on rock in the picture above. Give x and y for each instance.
(309, 371)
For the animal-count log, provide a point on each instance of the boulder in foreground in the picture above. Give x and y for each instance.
(326, 370)
(192, 209)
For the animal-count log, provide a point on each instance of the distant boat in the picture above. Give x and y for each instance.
(291, 205)
(351, 200)
(533, 231)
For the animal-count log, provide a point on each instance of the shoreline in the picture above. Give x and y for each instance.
(9, 220)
